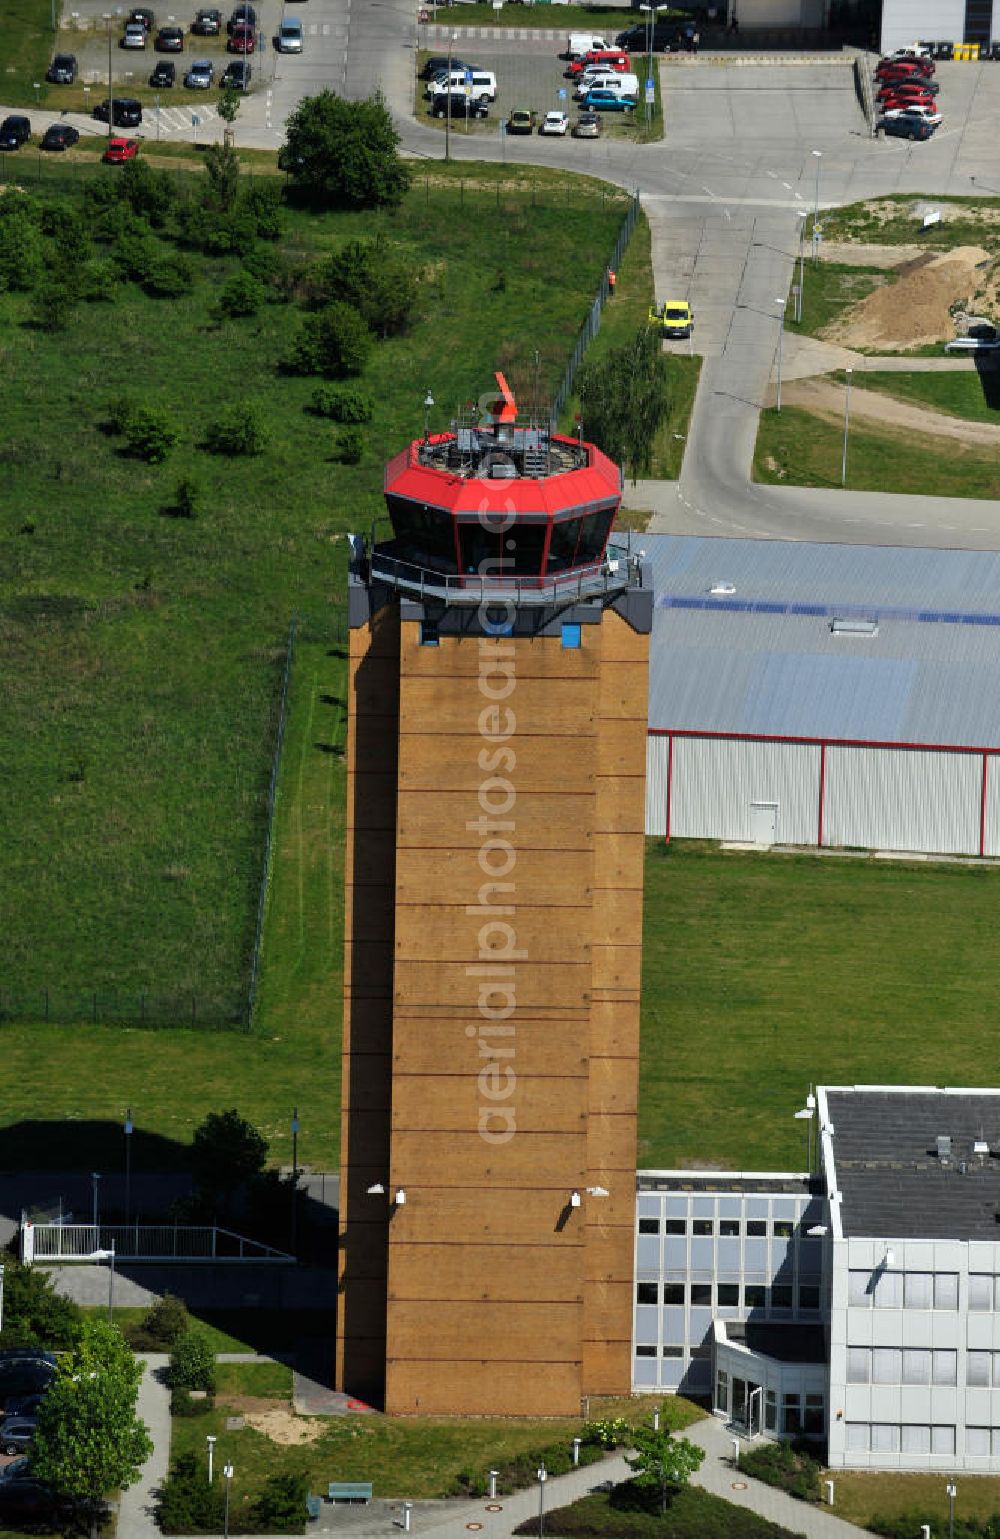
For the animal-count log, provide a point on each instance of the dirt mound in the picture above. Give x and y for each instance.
(285, 1427)
(916, 309)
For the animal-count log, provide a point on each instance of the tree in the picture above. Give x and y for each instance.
(239, 429)
(34, 1314)
(623, 398)
(336, 342)
(222, 165)
(89, 1440)
(150, 433)
(192, 1363)
(227, 1153)
(243, 294)
(227, 107)
(376, 278)
(663, 1463)
(343, 154)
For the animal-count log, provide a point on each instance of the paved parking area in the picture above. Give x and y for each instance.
(725, 108)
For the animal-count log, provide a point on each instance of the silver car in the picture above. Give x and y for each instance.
(134, 35)
(200, 76)
(289, 39)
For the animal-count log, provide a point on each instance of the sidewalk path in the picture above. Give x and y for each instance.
(137, 1507)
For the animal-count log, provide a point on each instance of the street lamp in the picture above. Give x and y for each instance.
(227, 1470)
(109, 1255)
(847, 419)
(95, 1181)
(819, 156)
(108, 18)
(127, 1129)
(781, 332)
(806, 1115)
(452, 40)
(543, 1476)
(651, 11)
(1, 1298)
(952, 1491)
(210, 1440)
(803, 216)
(428, 403)
(295, 1173)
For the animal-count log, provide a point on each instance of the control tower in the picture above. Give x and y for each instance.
(496, 776)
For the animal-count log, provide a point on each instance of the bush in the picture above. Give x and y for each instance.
(276, 271)
(168, 1320)
(242, 295)
(239, 430)
(373, 276)
(281, 1506)
(188, 505)
(262, 203)
(192, 1363)
(34, 1314)
(171, 277)
(519, 1470)
(343, 154)
(351, 446)
(341, 405)
(630, 1513)
(184, 1404)
(335, 342)
(186, 1503)
(612, 1432)
(52, 305)
(150, 433)
(789, 1466)
(135, 254)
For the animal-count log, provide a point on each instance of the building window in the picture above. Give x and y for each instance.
(978, 1367)
(791, 1414)
(808, 1295)
(649, 1226)
(815, 1415)
(857, 1437)
(702, 1226)
(647, 1293)
(770, 1410)
(781, 1295)
(428, 635)
(570, 635)
(782, 1229)
(722, 1391)
(754, 1296)
(858, 1365)
(699, 1354)
(645, 1351)
(675, 1226)
(942, 1440)
(729, 1226)
(977, 1441)
(945, 1290)
(701, 1295)
(756, 1227)
(915, 1440)
(885, 1438)
(918, 1290)
(859, 1290)
(673, 1293)
(673, 1352)
(886, 1365)
(916, 1366)
(944, 1367)
(728, 1295)
(888, 1290)
(980, 1291)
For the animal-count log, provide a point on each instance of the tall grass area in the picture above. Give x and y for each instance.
(765, 973)
(28, 42)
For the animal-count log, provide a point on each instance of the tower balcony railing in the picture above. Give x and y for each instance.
(618, 570)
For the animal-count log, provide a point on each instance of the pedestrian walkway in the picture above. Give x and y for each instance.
(137, 1508)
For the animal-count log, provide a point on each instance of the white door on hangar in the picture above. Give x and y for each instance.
(763, 822)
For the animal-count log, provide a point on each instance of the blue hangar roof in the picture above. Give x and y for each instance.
(867, 643)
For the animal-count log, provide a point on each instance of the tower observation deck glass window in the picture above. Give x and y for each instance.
(512, 552)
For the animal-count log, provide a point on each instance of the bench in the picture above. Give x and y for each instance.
(350, 1491)
(314, 1506)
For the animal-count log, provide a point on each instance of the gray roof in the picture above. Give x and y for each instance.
(763, 660)
(894, 1184)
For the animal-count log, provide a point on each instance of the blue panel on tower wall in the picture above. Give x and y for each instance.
(675, 1253)
(570, 634)
(648, 1253)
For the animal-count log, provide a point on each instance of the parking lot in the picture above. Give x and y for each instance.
(529, 75)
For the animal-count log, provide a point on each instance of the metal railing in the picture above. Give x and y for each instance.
(617, 572)
(141, 1242)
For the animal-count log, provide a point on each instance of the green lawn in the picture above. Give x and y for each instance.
(29, 42)
(860, 1498)
(624, 1513)
(819, 969)
(272, 1381)
(830, 288)
(971, 395)
(794, 447)
(892, 221)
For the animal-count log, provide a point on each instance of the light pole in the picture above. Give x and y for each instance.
(847, 419)
(95, 1181)
(1, 1298)
(819, 156)
(952, 1491)
(781, 332)
(210, 1440)
(543, 1476)
(428, 403)
(806, 1115)
(111, 1286)
(227, 1470)
(295, 1174)
(452, 39)
(803, 216)
(108, 18)
(127, 1129)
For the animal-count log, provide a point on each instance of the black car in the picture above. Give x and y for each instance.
(461, 105)
(24, 1377)
(14, 131)
(16, 1433)
(668, 37)
(243, 16)
(144, 16)
(27, 1355)
(906, 127)
(24, 1405)
(60, 136)
(62, 70)
(25, 1499)
(237, 74)
(127, 111)
(207, 23)
(438, 64)
(169, 40)
(994, 51)
(164, 74)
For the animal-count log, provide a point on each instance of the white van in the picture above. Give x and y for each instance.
(484, 83)
(608, 80)
(579, 43)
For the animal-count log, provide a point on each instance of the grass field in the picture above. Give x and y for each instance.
(972, 395)
(893, 221)
(794, 447)
(765, 973)
(859, 1498)
(830, 288)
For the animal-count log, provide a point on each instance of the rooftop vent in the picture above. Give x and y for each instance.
(943, 1142)
(841, 626)
(722, 589)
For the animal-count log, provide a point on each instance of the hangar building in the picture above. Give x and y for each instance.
(825, 695)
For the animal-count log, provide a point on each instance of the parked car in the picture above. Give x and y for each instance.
(438, 64)
(200, 76)
(16, 1433)
(120, 150)
(915, 112)
(62, 70)
(164, 74)
(27, 1355)
(521, 121)
(237, 74)
(143, 15)
(587, 126)
(608, 101)
(944, 50)
(207, 23)
(290, 36)
(243, 16)
(460, 105)
(242, 39)
(554, 123)
(973, 345)
(14, 131)
(920, 91)
(993, 52)
(127, 111)
(60, 136)
(24, 1376)
(24, 1499)
(24, 1405)
(906, 128)
(134, 36)
(609, 59)
(169, 40)
(674, 318)
(907, 64)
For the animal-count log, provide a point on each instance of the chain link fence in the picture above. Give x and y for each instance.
(592, 325)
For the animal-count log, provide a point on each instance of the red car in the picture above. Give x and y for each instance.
(121, 149)
(909, 90)
(242, 39)
(610, 59)
(910, 65)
